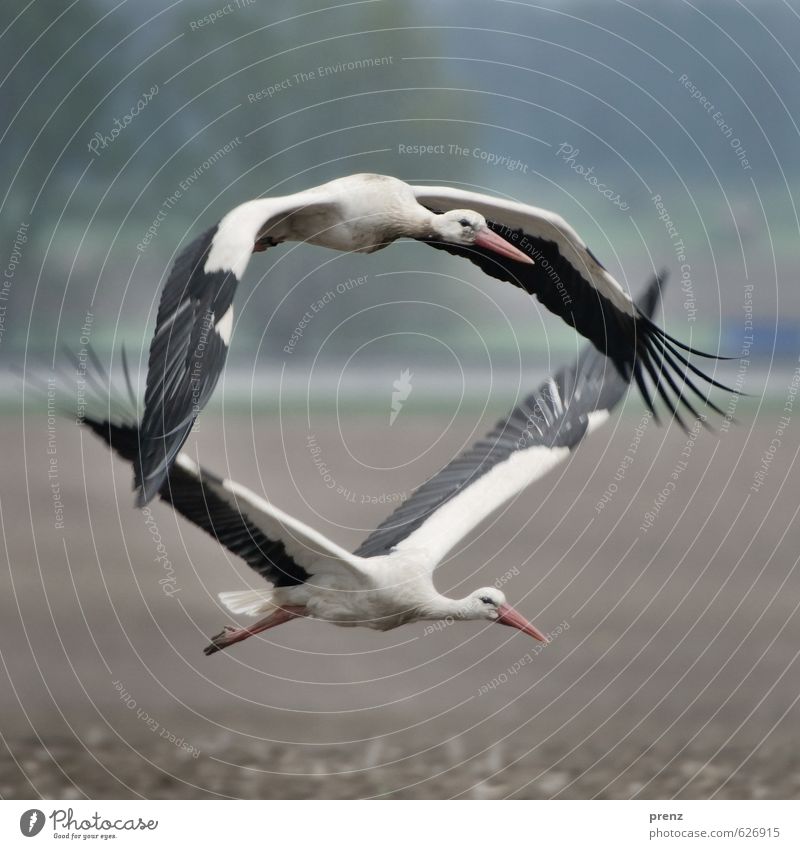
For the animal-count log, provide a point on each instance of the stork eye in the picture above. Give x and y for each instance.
(464, 222)
(485, 599)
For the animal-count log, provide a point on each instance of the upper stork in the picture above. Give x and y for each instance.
(388, 580)
(532, 248)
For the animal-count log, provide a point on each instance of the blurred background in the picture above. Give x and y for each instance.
(666, 134)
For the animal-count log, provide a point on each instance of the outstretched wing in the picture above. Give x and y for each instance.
(193, 329)
(282, 549)
(228, 525)
(570, 281)
(537, 435)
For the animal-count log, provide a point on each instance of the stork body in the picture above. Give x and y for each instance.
(370, 598)
(361, 213)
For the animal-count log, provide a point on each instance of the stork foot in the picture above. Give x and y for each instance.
(228, 635)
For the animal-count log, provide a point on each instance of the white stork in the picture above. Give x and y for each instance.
(388, 580)
(532, 248)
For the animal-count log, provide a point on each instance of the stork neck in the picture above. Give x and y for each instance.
(418, 223)
(442, 607)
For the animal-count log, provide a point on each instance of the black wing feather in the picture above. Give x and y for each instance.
(565, 291)
(187, 356)
(217, 517)
(556, 415)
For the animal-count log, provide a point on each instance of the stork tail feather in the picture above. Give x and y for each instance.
(249, 602)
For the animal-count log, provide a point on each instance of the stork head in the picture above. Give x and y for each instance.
(489, 603)
(468, 228)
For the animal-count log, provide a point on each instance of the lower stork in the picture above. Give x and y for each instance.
(388, 580)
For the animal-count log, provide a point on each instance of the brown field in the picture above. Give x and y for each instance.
(676, 676)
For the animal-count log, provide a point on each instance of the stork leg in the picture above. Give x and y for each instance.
(228, 636)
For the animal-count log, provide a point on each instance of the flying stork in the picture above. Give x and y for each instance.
(388, 580)
(532, 248)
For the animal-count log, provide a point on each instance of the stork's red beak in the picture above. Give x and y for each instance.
(488, 239)
(509, 616)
